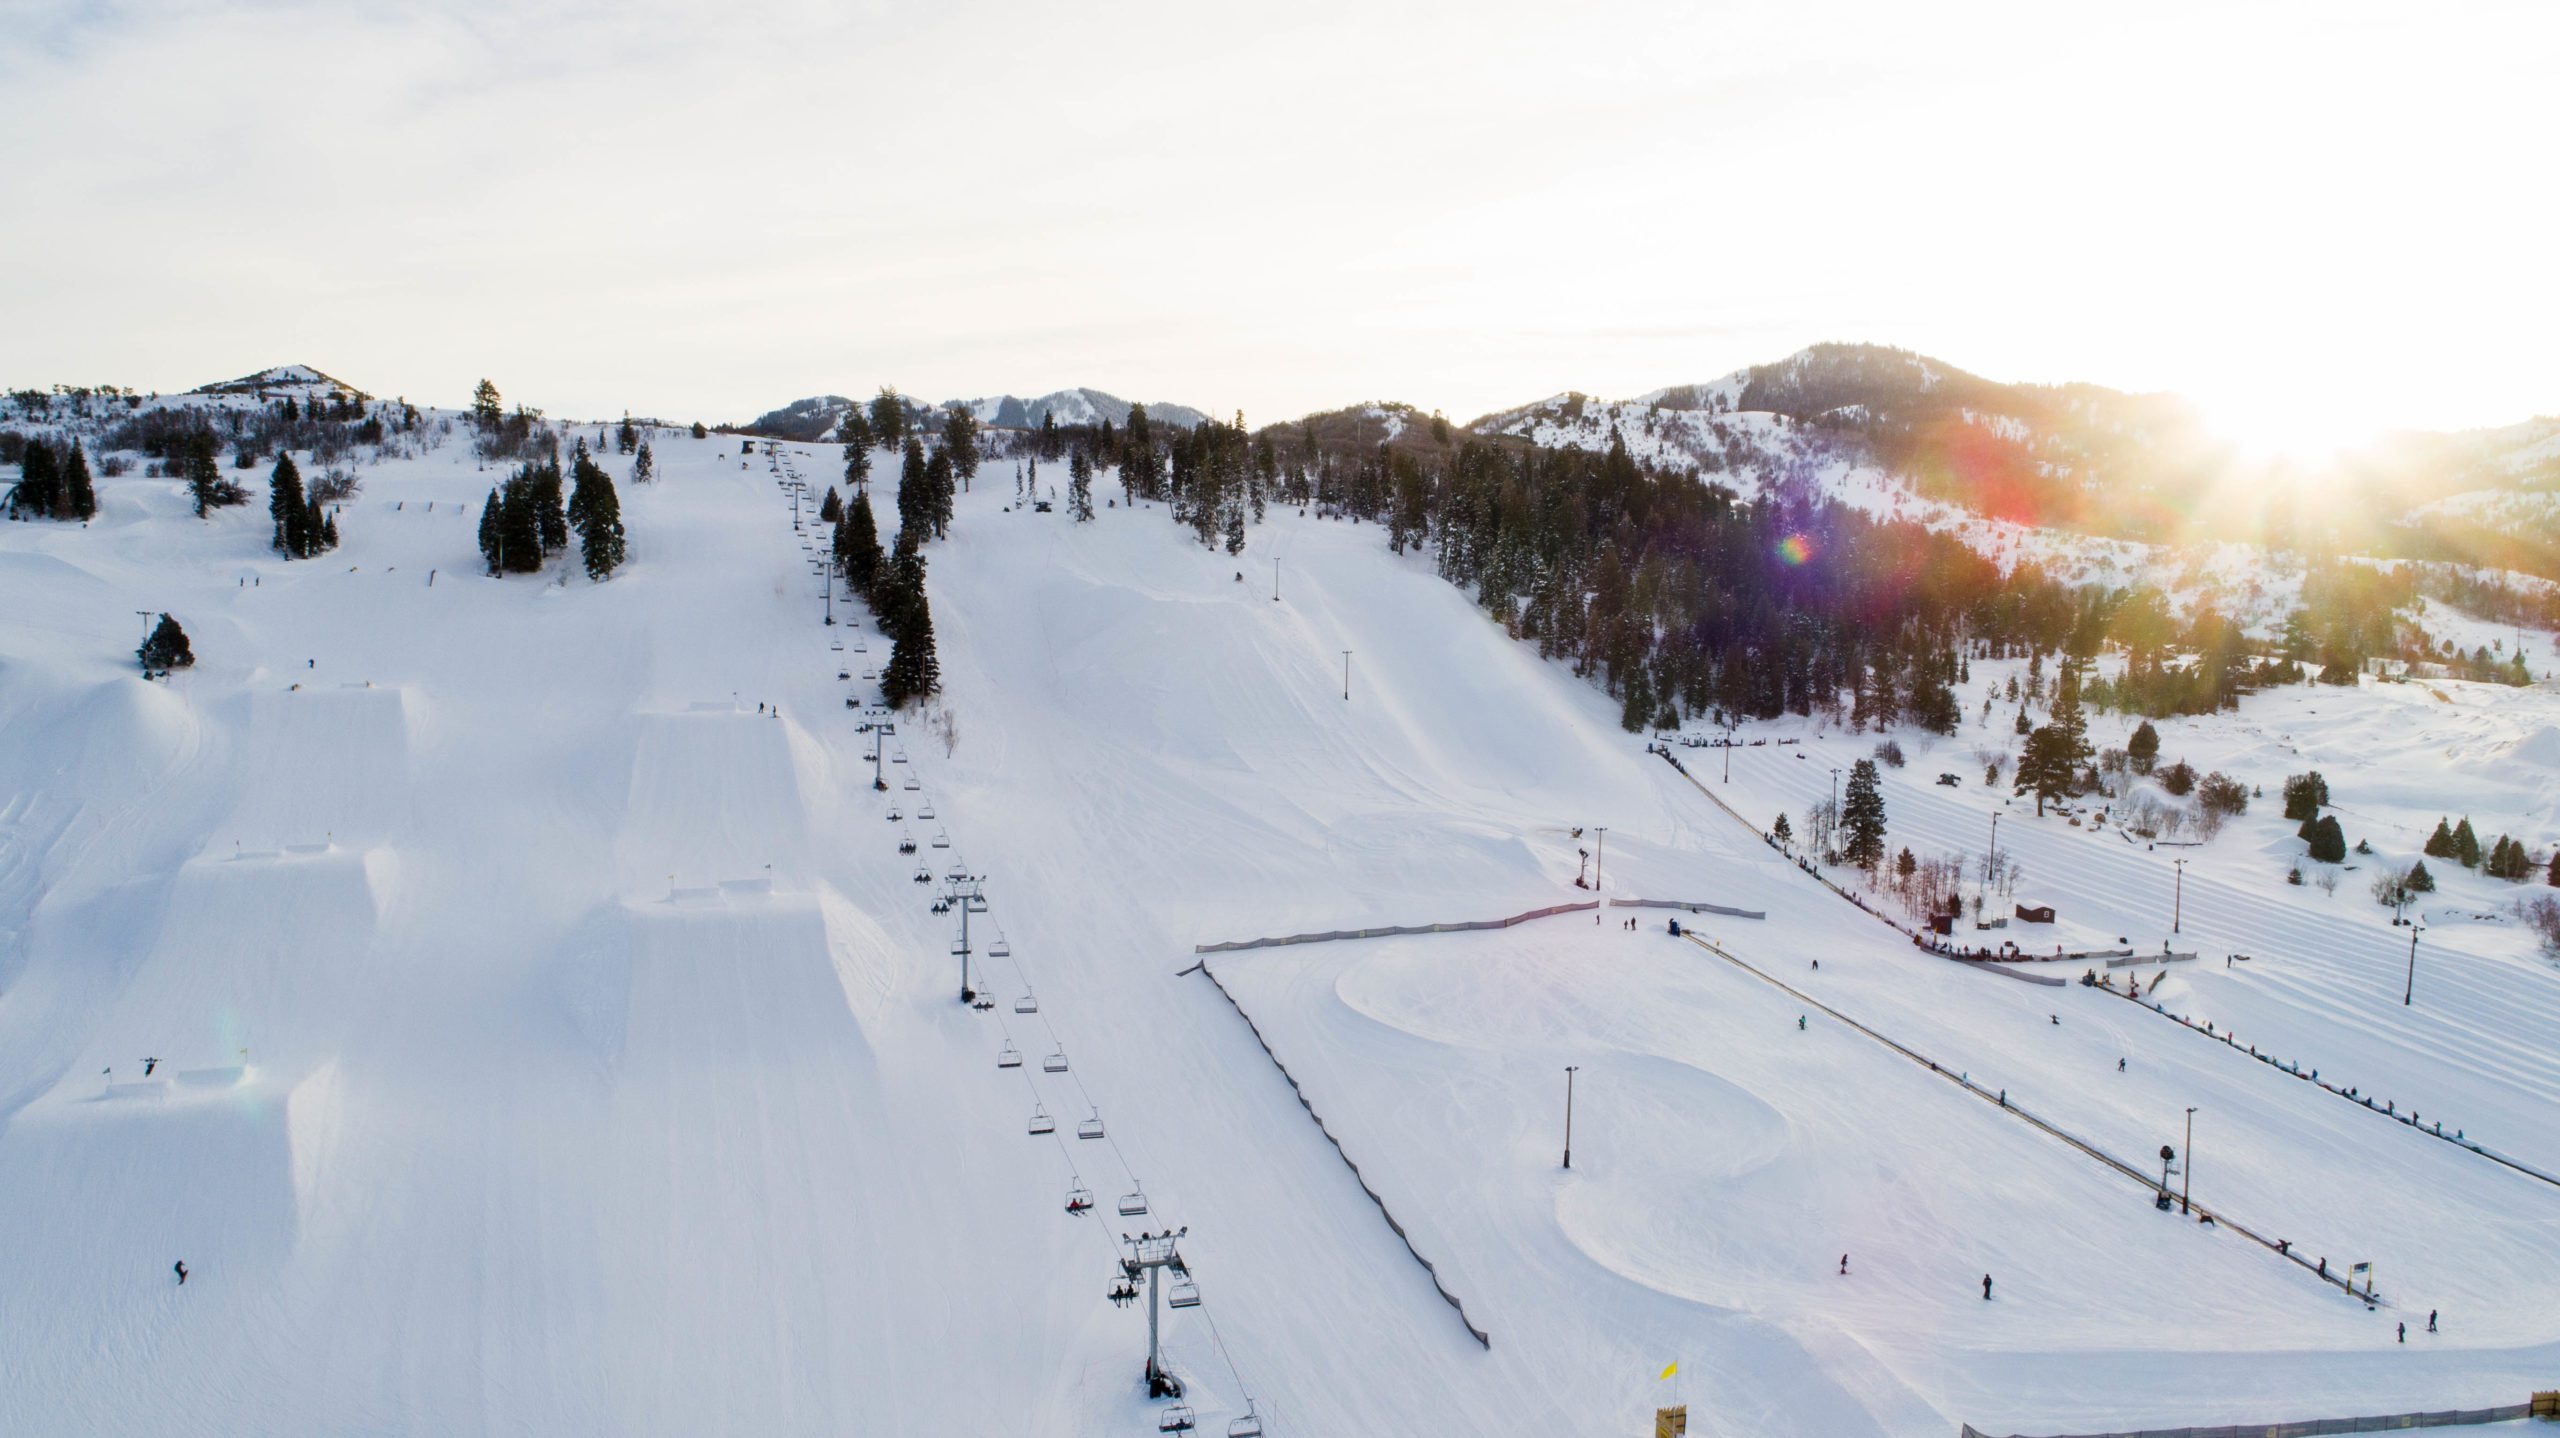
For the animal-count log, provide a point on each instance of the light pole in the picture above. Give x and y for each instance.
(1600, 865)
(2411, 990)
(1346, 676)
(2187, 1175)
(1569, 1071)
(1275, 579)
(2178, 904)
(1991, 863)
(1729, 721)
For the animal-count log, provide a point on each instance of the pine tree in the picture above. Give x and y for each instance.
(913, 671)
(2045, 765)
(831, 508)
(166, 649)
(1235, 530)
(1079, 486)
(2143, 748)
(2305, 795)
(626, 440)
(1862, 816)
(552, 522)
(203, 466)
(488, 411)
(2466, 844)
(938, 472)
(493, 533)
(2552, 877)
(2440, 843)
(915, 500)
(597, 512)
(2328, 840)
(78, 497)
(2419, 880)
(644, 467)
(289, 509)
(38, 480)
(960, 441)
(888, 417)
(858, 546)
(1782, 831)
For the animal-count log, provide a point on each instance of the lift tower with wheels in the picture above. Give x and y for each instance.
(1142, 1257)
(968, 895)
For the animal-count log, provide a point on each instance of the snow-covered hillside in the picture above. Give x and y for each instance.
(546, 1032)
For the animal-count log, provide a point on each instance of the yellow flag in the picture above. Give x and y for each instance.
(1667, 1372)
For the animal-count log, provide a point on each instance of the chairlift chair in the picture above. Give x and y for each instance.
(1041, 1123)
(894, 815)
(923, 874)
(1185, 1294)
(836, 645)
(999, 949)
(1008, 1057)
(907, 845)
(1177, 1419)
(1249, 1426)
(844, 674)
(1029, 1003)
(1133, 1204)
(912, 784)
(1080, 1200)
(900, 757)
(1055, 1063)
(942, 840)
(926, 812)
(1091, 1127)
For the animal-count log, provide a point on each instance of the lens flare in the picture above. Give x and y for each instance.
(1795, 550)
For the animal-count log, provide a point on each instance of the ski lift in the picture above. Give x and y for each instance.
(1133, 1204)
(900, 757)
(1123, 1292)
(999, 949)
(927, 811)
(1008, 1057)
(874, 674)
(1249, 1426)
(1185, 1294)
(1041, 1123)
(844, 674)
(861, 647)
(923, 874)
(907, 844)
(1091, 1127)
(912, 784)
(1079, 1200)
(894, 815)
(1055, 1063)
(1027, 1004)
(942, 840)
(1177, 1419)
(836, 645)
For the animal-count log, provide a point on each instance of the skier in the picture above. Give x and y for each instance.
(182, 1273)
(1986, 1288)
(1799, 1023)
(2119, 1066)
(1844, 1265)
(2431, 1320)
(148, 1065)
(2404, 1332)
(1817, 966)
(2057, 1019)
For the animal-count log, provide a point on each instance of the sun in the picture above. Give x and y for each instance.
(2293, 429)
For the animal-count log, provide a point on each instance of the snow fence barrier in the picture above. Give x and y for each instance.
(1390, 930)
(2375, 1423)
(1684, 904)
(1356, 1176)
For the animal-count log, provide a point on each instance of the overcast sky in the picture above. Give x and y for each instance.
(2321, 216)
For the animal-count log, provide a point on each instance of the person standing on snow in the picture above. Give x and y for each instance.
(182, 1273)
(1986, 1288)
(1844, 1265)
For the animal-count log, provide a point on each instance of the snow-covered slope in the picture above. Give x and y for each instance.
(549, 1035)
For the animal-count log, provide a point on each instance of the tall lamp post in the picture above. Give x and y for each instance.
(2178, 903)
(1569, 1071)
(2187, 1175)
(1601, 865)
(2410, 991)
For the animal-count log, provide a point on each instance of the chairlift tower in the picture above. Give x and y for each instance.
(881, 733)
(1145, 1256)
(968, 895)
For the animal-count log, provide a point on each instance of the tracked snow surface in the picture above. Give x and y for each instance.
(546, 1034)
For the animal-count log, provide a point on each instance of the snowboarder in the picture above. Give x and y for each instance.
(1986, 1288)
(2404, 1332)
(182, 1273)
(148, 1065)
(1844, 1265)
(2119, 1066)
(2431, 1320)
(2057, 1019)
(1799, 1023)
